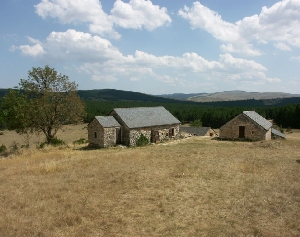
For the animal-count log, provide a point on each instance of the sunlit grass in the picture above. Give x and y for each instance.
(194, 187)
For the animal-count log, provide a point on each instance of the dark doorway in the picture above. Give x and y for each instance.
(118, 135)
(241, 131)
(171, 132)
(154, 136)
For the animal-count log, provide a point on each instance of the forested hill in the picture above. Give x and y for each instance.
(284, 111)
(119, 95)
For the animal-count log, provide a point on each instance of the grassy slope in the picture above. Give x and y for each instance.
(196, 187)
(241, 95)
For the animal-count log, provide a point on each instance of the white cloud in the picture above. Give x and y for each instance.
(279, 23)
(70, 11)
(135, 14)
(33, 41)
(296, 59)
(74, 46)
(282, 46)
(139, 13)
(202, 17)
(33, 51)
(241, 47)
(239, 64)
(104, 62)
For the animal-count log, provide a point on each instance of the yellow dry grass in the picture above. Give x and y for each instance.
(69, 134)
(194, 187)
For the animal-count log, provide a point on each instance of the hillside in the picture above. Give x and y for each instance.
(219, 99)
(181, 96)
(119, 95)
(230, 96)
(112, 95)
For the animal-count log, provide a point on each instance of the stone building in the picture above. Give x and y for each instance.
(104, 131)
(125, 126)
(250, 126)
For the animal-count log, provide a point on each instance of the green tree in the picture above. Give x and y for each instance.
(44, 102)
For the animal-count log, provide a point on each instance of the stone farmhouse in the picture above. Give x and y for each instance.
(251, 126)
(125, 126)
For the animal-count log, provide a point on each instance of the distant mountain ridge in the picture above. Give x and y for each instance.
(229, 96)
(219, 99)
(119, 95)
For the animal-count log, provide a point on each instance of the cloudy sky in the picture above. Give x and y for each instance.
(155, 47)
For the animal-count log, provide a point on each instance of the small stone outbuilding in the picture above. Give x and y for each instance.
(248, 125)
(104, 131)
(125, 126)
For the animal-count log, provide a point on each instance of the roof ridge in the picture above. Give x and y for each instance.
(257, 118)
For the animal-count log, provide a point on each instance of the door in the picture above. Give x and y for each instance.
(118, 135)
(241, 131)
(154, 136)
(171, 132)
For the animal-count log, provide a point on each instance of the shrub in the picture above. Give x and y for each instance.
(2, 148)
(80, 141)
(14, 147)
(142, 141)
(196, 123)
(1, 133)
(54, 142)
(57, 142)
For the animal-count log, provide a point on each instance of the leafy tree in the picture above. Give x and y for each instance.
(44, 102)
(15, 111)
(196, 123)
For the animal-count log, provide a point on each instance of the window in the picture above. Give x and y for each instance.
(95, 134)
(252, 132)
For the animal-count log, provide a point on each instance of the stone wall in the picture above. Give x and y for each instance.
(105, 137)
(110, 137)
(132, 135)
(95, 127)
(252, 130)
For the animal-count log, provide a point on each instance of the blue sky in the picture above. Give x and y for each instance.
(155, 47)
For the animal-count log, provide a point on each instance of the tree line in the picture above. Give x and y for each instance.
(47, 100)
(210, 116)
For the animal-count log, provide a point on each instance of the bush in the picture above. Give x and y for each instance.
(80, 141)
(54, 142)
(142, 141)
(14, 147)
(2, 148)
(196, 123)
(1, 133)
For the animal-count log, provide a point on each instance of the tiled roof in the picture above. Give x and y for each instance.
(146, 116)
(107, 121)
(277, 133)
(199, 131)
(258, 119)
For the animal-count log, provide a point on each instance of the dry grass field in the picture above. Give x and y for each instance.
(193, 187)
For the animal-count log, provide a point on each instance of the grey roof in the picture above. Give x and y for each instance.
(258, 119)
(146, 116)
(199, 131)
(107, 121)
(277, 133)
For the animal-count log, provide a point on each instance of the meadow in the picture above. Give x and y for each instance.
(190, 187)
